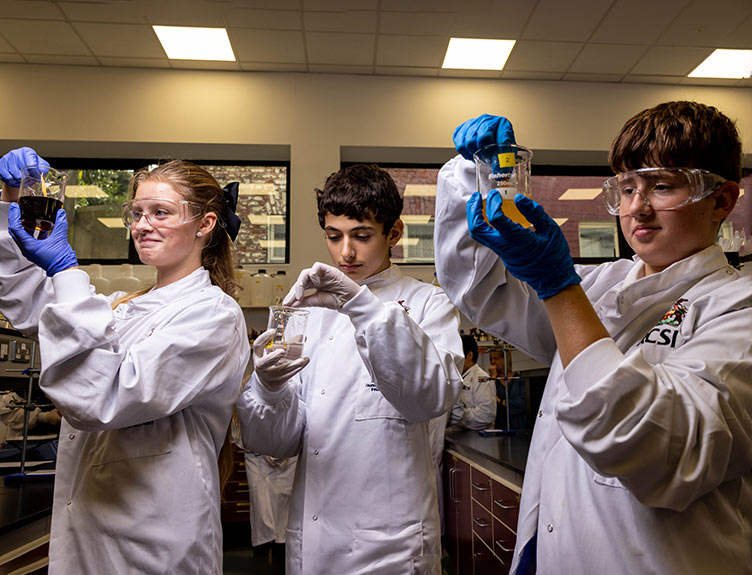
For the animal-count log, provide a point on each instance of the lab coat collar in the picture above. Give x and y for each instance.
(156, 298)
(383, 278)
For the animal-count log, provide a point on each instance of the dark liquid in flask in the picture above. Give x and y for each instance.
(38, 214)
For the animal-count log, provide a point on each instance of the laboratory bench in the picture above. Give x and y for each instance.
(482, 479)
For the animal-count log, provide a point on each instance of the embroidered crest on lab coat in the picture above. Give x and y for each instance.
(666, 330)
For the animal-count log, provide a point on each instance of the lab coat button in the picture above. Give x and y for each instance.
(549, 528)
(315, 451)
(68, 502)
(323, 391)
(540, 414)
(71, 436)
(331, 337)
(315, 517)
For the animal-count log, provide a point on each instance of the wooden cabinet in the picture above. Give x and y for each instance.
(236, 503)
(481, 513)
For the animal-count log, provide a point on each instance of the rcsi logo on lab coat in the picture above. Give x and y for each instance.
(666, 331)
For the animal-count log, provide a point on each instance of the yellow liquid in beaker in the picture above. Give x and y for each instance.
(510, 210)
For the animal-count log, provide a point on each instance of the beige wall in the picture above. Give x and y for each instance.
(316, 114)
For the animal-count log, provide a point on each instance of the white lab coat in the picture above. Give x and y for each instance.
(476, 406)
(146, 393)
(269, 485)
(641, 456)
(364, 498)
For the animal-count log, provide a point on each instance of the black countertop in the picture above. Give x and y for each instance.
(507, 451)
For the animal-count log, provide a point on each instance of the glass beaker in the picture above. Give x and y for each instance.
(289, 324)
(506, 168)
(40, 196)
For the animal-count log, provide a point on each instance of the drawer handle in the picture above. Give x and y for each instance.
(479, 486)
(500, 504)
(479, 554)
(479, 522)
(500, 544)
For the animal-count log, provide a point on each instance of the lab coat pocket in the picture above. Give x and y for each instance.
(608, 481)
(370, 403)
(392, 553)
(143, 440)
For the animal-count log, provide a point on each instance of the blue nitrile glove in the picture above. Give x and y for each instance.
(12, 162)
(540, 258)
(482, 131)
(53, 254)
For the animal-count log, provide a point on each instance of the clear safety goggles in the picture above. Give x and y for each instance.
(659, 188)
(160, 212)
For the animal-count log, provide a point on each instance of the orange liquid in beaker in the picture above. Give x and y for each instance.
(510, 210)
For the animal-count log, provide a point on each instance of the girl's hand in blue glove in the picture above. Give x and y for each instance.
(12, 162)
(540, 258)
(482, 131)
(53, 254)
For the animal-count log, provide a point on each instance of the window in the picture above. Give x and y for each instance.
(97, 188)
(598, 239)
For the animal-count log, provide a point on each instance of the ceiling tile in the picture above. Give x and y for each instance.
(347, 49)
(670, 60)
(419, 5)
(42, 37)
(542, 56)
(580, 77)
(607, 58)
(741, 38)
(349, 21)
(646, 79)
(268, 4)
(267, 45)
(121, 40)
(705, 22)
(421, 51)
(5, 47)
(514, 75)
(492, 19)
(406, 71)
(337, 69)
(31, 9)
(62, 60)
(469, 73)
(10, 58)
(627, 21)
(118, 12)
(574, 20)
(174, 13)
(342, 5)
(426, 23)
(266, 19)
(136, 62)
(267, 67)
(204, 65)
(710, 81)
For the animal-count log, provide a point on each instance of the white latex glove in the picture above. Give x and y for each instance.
(333, 289)
(273, 369)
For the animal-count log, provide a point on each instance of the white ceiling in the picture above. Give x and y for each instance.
(655, 41)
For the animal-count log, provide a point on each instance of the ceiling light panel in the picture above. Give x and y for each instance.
(477, 54)
(188, 43)
(725, 64)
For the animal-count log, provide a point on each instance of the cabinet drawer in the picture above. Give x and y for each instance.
(236, 511)
(236, 491)
(482, 524)
(503, 542)
(506, 505)
(480, 487)
(485, 562)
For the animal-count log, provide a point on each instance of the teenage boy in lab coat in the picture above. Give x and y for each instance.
(641, 455)
(381, 358)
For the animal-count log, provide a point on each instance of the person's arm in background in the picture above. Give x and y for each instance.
(482, 411)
